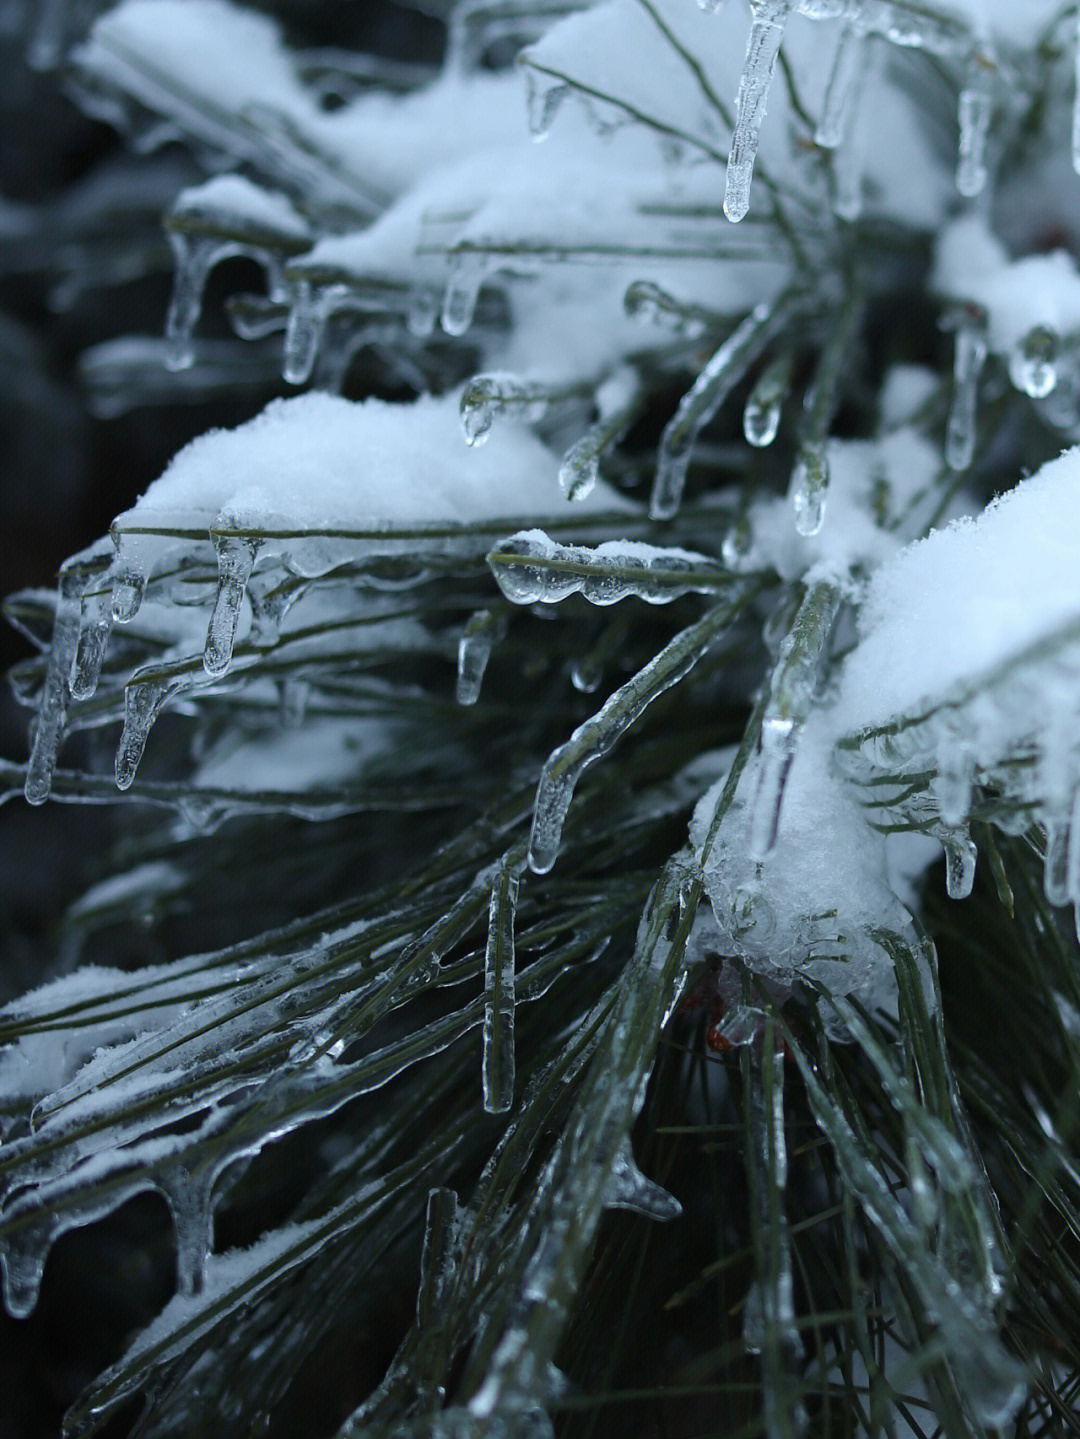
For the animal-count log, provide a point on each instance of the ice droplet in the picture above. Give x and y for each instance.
(468, 271)
(195, 258)
(952, 784)
(236, 559)
(761, 418)
(763, 46)
(544, 96)
(778, 742)
(497, 1067)
(51, 718)
(303, 333)
(486, 396)
(1056, 863)
(960, 857)
(809, 486)
(845, 82)
(974, 111)
(128, 590)
(968, 362)
(1033, 363)
(474, 651)
(700, 403)
(23, 1253)
(188, 1198)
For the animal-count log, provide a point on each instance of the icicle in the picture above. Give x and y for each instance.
(468, 271)
(809, 486)
(779, 738)
(188, 1198)
(967, 367)
(303, 333)
(952, 784)
(143, 702)
(845, 83)
(763, 46)
(1056, 863)
(196, 256)
(791, 696)
(544, 95)
(486, 396)
(619, 401)
(236, 559)
(629, 1189)
(474, 651)
(442, 1231)
(596, 735)
(974, 112)
(761, 418)
(647, 301)
(700, 403)
(55, 695)
(960, 857)
(531, 568)
(95, 624)
(1033, 363)
(497, 1069)
(23, 1253)
(585, 676)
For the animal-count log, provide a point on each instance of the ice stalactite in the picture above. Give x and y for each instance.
(968, 362)
(975, 110)
(544, 97)
(761, 418)
(845, 83)
(236, 559)
(486, 396)
(498, 1064)
(468, 271)
(474, 652)
(769, 18)
(791, 696)
(700, 403)
(304, 332)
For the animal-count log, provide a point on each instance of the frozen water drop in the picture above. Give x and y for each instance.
(497, 1068)
(1056, 862)
(845, 82)
(236, 559)
(761, 421)
(468, 272)
(960, 857)
(809, 485)
(51, 719)
(968, 362)
(23, 1253)
(1033, 363)
(762, 49)
(127, 595)
(585, 676)
(303, 333)
(778, 741)
(544, 96)
(474, 651)
(579, 470)
(143, 700)
(195, 257)
(974, 112)
(486, 396)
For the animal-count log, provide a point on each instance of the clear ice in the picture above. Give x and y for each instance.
(497, 1066)
(968, 362)
(236, 559)
(762, 48)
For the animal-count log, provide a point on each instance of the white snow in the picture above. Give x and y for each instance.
(323, 462)
(951, 609)
(238, 198)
